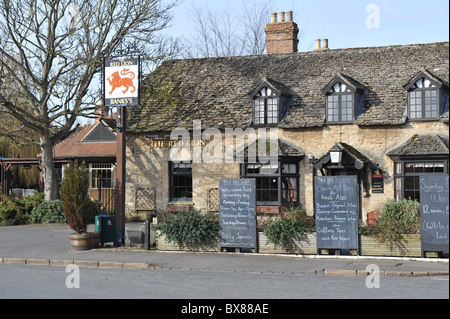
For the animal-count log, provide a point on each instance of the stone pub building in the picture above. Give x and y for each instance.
(382, 110)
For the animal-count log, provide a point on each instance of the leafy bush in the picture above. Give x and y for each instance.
(286, 229)
(190, 229)
(75, 198)
(48, 213)
(396, 219)
(15, 211)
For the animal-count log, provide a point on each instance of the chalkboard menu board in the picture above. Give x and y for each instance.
(336, 209)
(237, 213)
(434, 212)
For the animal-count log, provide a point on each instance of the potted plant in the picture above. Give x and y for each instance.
(290, 232)
(192, 230)
(77, 207)
(396, 231)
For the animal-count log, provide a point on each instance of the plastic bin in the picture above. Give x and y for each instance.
(106, 225)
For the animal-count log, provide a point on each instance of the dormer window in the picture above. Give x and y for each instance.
(343, 100)
(270, 103)
(340, 106)
(266, 107)
(426, 97)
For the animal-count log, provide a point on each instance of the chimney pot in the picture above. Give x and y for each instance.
(289, 16)
(318, 46)
(282, 35)
(273, 18)
(325, 44)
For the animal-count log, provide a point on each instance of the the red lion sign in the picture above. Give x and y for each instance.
(121, 82)
(116, 81)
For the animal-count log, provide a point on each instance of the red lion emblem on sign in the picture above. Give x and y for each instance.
(116, 81)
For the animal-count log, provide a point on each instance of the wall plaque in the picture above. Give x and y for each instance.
(377, 182)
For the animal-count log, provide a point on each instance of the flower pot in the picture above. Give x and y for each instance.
(372, 218)
(410, 247)
(307, 247)
(85, 241)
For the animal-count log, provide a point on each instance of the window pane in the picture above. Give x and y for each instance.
(181, 181)
(431, 105)
(398, 169)
(409, 168)
(289, 168)
(269, 169)
(398, 189)
(337, 87)
(289, 189)
(419, 167)
(439, 168)
(412, 190)
(272, 111)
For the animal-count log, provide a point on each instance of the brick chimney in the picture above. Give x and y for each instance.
(282, 34)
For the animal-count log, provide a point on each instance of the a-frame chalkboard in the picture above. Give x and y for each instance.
(434, 214)
(336, 211)
(237, 213)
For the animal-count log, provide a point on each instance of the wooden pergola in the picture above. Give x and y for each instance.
(7, 163)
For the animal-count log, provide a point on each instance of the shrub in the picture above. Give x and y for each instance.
(48, 213)
(75, 199)
(190, 229)
(286, 229)
(15, 211)
(396, 219)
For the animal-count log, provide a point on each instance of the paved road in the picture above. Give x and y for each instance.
(24, 281)
(189, 275)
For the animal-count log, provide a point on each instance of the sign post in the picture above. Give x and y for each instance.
(121, 87)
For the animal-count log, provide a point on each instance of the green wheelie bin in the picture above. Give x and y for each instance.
(106, 225)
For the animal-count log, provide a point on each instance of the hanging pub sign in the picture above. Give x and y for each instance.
(377, 181)
(121, 82)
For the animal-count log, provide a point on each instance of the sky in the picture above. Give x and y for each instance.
(346, 23)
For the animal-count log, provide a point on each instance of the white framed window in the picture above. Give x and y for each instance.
(104, 172)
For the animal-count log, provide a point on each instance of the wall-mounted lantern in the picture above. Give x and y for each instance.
(336, 154)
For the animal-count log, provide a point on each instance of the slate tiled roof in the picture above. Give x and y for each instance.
(429, 144)
(217, 90)
(73, 146)
(285, 149)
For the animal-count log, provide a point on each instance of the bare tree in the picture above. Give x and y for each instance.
(50, 52)
(254, 19)
(221, 33)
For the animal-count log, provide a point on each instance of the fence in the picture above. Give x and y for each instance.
(107, 196)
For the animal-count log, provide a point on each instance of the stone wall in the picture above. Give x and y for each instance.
(373, 142)
(147, 167)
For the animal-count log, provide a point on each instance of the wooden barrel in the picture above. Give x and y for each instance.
(85, 241)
